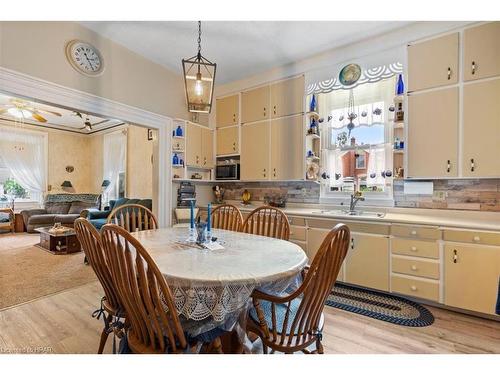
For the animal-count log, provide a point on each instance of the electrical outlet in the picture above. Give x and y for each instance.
(303, 192)
(439, 195)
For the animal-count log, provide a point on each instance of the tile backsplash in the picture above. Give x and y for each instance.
(470, 194)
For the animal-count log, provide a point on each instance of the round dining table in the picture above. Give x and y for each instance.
(212, 288)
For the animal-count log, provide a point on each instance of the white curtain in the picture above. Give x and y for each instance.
(114, 153)
(25, 156)
(377, 163)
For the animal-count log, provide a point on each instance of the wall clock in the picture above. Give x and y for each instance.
(84, 58)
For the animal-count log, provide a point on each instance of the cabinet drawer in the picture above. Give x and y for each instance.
(426, 249)
(420, 288)
(413, 231)
(295, 220)
(297, 233)
(353, 226)
(485, 238)
(415, 267)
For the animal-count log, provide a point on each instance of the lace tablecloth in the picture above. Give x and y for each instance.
(214, 286)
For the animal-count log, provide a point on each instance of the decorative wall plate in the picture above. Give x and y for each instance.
(350, 74)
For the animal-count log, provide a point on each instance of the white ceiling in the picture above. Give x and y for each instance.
(69, 120)
(240, 49)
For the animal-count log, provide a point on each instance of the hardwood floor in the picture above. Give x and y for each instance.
(61, 323)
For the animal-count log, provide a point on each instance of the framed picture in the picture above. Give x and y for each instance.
(150, 134)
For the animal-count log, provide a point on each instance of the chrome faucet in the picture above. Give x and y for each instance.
(357, 196)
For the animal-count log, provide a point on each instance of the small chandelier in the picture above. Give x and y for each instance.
(199, 78)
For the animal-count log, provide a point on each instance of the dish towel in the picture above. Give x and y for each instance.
(497, 310)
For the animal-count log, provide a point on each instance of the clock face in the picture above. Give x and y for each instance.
(85, 58)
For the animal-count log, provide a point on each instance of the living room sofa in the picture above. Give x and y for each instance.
(60, 208)
(99, 218)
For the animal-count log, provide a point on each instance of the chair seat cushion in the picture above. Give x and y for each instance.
(280, 314)
(98, 223)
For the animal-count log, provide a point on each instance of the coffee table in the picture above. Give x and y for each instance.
(59, 242)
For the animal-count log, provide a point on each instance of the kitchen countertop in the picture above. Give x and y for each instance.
(441, 218)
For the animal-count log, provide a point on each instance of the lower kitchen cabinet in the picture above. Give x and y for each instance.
(315, 237)
(367, 262)
(471, 275)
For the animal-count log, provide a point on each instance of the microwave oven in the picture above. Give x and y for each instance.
(227, 171)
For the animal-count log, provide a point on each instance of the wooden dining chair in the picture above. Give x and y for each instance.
(227, 216)
(267, 221)
(90, 241)
(133, 218)
(294, 322)
(154, 325)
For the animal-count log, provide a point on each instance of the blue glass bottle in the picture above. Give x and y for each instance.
(312, 105)
(178, 131)
(400, 87)
(175, 160)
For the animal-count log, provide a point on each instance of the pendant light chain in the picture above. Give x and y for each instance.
(199, 39)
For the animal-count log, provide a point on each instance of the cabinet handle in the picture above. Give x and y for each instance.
(234, 146)
(414, 268)
(274, 172)
(448, 166)
(234, 117)
(455, 256)
(449, 73)
(472, 166)
(264, 111)
(413, 232)
(476, 239)
(264, 172)
(413, 288)
(352, 243)
(274, 109)
(473, 68)
(413, 248)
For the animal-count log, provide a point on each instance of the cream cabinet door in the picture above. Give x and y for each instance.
(287, 155)
(367, 262)
(287, 97)
(207, 148)
(433, 134)
(471, 276)
(482, 51)
(481, 131)
(193, 145)
(227, 141)
(255, 104)
(227, 111)
(433, 63)
(255, 143)
(315, 237)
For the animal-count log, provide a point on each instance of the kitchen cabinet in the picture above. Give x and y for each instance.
(207, 148)
(433, 134)
(193, 145)
(471, 276)
(287, 154)
(199, 149)
(315, 237)
(367, 262)
(433, 63)
(227, 111)
(255, 104)
(255, 147)
(287, 97)
(481, 129)
(228, 141)
(482, 51)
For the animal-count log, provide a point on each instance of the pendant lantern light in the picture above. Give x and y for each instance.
(199, 78)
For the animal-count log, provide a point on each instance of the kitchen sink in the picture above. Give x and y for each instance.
(349, 213)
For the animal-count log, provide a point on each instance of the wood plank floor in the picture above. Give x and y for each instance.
(61, 323)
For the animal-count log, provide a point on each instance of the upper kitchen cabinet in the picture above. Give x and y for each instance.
(287, 97)
(481, 129)
(193, 145)
(228, 141)
(433, 63)
(433, 134)
(255, 104)
(227, 111)
(287, 155)
(255, 146)
(482, 51)
(207, 148)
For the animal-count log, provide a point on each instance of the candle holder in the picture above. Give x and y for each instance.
(201, 233)
(192, 235)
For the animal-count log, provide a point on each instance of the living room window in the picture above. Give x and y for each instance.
(23, 167)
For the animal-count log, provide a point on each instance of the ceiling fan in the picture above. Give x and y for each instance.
(23, 110)
(86, 122)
